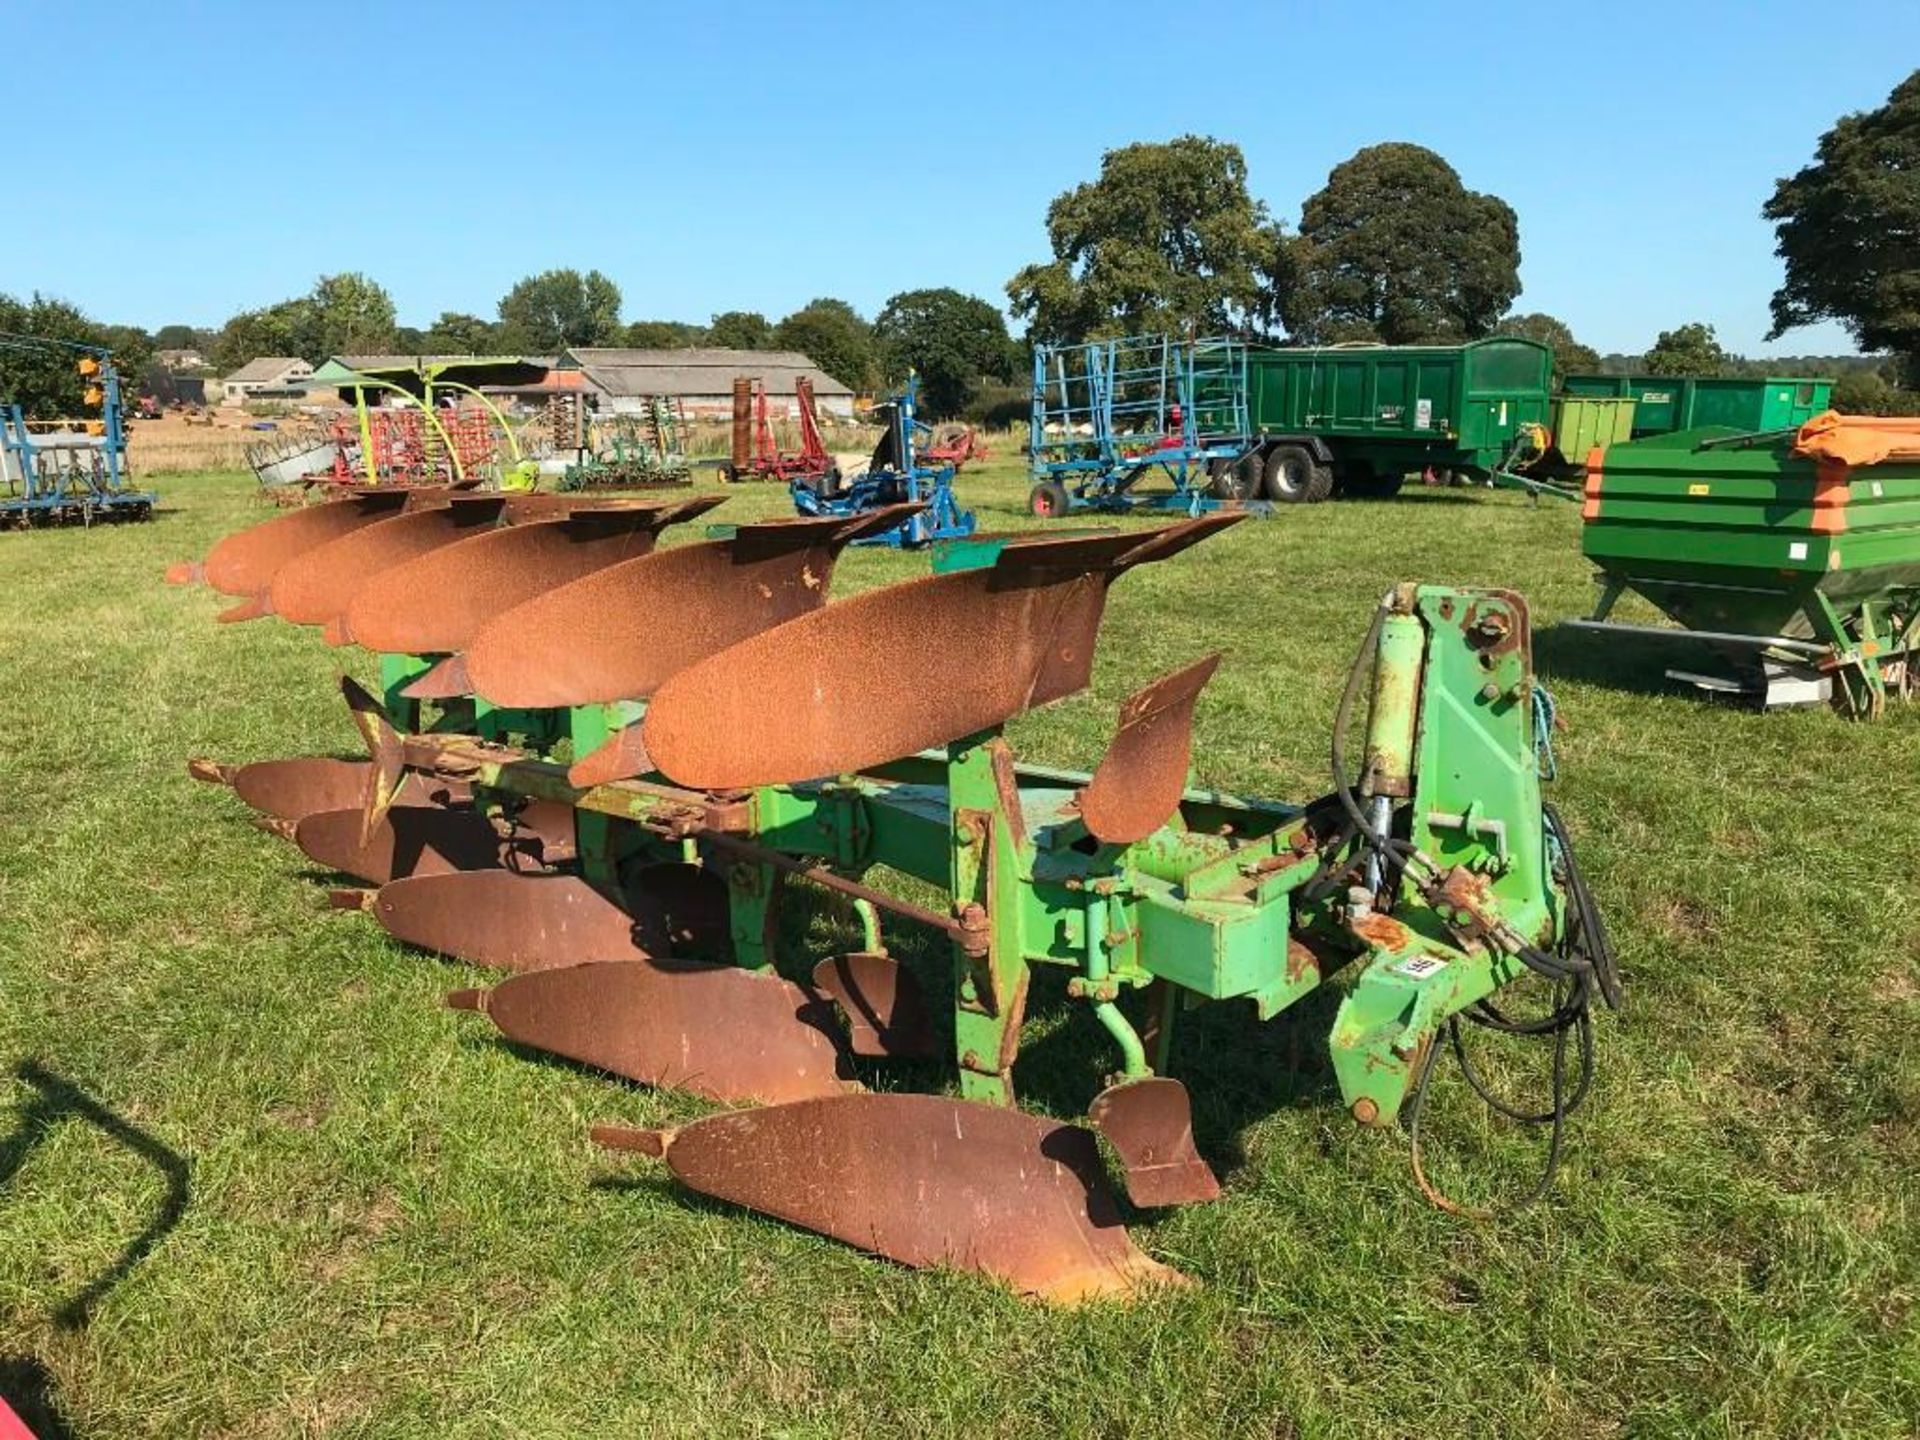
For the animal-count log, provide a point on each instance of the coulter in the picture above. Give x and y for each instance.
(603, 769)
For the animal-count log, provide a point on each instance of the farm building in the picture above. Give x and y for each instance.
(700, 379)
(267, 378)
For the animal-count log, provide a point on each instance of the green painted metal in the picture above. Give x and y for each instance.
(1398, 408)
(1665, 404)
(1736, 535)
(1215, 905)
(1585, 423)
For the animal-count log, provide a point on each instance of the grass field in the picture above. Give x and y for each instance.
(255, 1182)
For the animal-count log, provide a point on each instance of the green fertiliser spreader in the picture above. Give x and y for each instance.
(605, 768)
(1794, 556)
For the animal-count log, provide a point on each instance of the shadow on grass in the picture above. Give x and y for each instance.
(1618, 662)
(27, 1386)
(57, 1099)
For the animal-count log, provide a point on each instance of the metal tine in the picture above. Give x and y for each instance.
(1149, 1123)
(314, 587)
(435, 604)
(245, 562)
(924, 1180)
(712, 1030)
(617, 633)
(1137, 785)
(964, 652)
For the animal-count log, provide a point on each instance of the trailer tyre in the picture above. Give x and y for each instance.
(1234, 479)
(1293, 477)
(1048, 500)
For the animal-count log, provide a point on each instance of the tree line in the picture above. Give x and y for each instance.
(1169, 237)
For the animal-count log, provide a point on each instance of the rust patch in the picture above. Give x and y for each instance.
(410, 840)
(617, 633)
(1379, 930)
(510, 921)
(926, 1181)
(1140, 779)
(712, 1030)
(315, 586)
(295, 788)
(1149, 1123)
(437, 603)
(1026, 626)
(886, 1013)
(245, 562)
(621, 758)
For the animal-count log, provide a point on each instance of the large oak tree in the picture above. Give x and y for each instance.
(1848, 228)
(1166, 239)
(1396, 248)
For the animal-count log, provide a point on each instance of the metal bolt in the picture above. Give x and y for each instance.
(1365, 1110)
(1489, 692)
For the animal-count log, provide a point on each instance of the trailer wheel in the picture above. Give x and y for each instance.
(1292, 476)
(1048, 500)
(1234, 479)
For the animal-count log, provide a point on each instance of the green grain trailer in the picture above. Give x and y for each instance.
(1360, 418)
(1803, 577)
(1664, 404)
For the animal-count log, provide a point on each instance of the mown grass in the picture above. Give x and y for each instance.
(394, 1225)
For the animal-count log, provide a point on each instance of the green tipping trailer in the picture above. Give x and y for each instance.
(1360, 418)
(1664, 404)
(1803, 578)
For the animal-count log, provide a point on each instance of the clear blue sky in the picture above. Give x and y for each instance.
(755, 155)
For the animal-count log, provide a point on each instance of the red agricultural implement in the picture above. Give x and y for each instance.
(756, 451)
(955, 445)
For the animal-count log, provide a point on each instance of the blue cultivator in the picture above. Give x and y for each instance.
(1111, 413)
(895, 477)
(77, 475)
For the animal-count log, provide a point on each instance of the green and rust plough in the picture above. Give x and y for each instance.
(599, 766)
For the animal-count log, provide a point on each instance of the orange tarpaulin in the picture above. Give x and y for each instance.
(1852, 440)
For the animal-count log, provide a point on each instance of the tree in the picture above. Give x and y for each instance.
(1167, 239)
(832, 335)
(1569, 355)
(951, 340)
(546, 313)
(457, 333)
(1687, 350)
(46, 383)
(281, 329)
(348, 315)
(1396, 248)
(182, 337)
(740, 330)
(1848, 228)
(663, 335)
